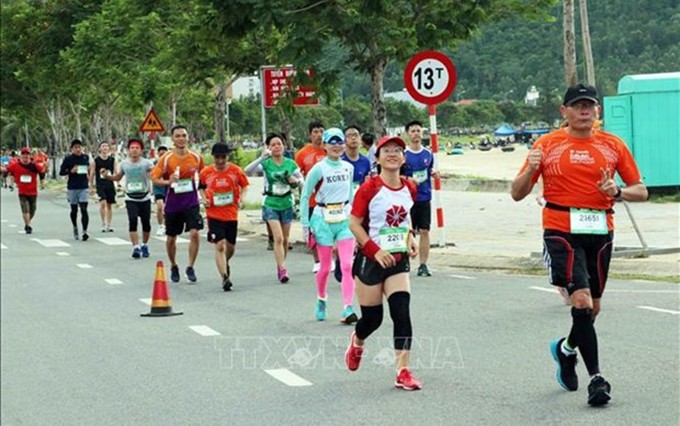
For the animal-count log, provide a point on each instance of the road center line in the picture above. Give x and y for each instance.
(204, 330)
(146, 301)
(463, 277)
(3, 247)
(84, 266)
(287, 377)
(113, 281)
(62, 253)
(665, 311)
(547, 290)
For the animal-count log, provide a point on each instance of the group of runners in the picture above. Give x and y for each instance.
(371, 213)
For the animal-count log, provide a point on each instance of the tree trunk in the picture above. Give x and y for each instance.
(219, 111)
(587, 49)
(377, 72)
(570, 75)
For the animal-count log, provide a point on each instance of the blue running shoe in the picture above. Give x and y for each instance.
(320, 309)
(145, 250)
(566, 366)
(174, 274)
(191, 275)
(348, 315)
(136, 252)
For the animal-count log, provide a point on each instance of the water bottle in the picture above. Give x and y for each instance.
(174, 184)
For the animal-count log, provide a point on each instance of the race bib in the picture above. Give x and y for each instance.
(223, 198)
(184, 185)
(420, 176)
(393, 240)
(586, 221)
(279, 188)
(82, 170)
(25, 178)
(334, 213)
(135, 186)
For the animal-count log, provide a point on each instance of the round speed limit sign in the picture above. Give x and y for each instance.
(430, 77)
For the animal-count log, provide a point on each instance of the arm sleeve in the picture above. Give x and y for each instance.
(298, 175)
(313, 177)
(254, 166)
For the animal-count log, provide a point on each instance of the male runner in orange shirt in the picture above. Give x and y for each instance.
(177, 170)
(223, 187)
(577, 164)
(306, 158)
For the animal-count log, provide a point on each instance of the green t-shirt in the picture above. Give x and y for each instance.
(278, 193)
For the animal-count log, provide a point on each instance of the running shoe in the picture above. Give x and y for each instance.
(424, 271)
(28, 229)
(348, 315)
(565, 295)
(320, 309)
(103, 228)
(85, 236)
(75, 234)
(174, 274)
(136, 252)
(226, 283)
(599, 391)
(406, 381)
(566, 366)
(109, 229)
(191, 274)
(270, 245)
(160, 231)
(316, 267)
(145, 250)
(353, 354)
(282, 275)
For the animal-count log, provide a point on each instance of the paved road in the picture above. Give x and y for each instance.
(76, 352)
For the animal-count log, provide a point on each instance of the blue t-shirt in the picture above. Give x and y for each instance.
(419, 166)
(362, 167)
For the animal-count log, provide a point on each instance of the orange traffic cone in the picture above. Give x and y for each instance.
(160, 300)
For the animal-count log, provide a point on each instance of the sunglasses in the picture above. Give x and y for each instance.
(336, 141)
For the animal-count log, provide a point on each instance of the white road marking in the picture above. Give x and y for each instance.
(179, 239)
(287, 377)
(12, 225)
(62, 253)
(4, 221)
(113, 281)
(204, 330)
(84, 266)
(665, 311)
(554, 290)
(147, 301)
(51, 243)
(547, 290)
(113, 241)
(239, 239)
(463, 277)
(3, 247)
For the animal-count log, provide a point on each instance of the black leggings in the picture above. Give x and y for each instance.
(141, 210)
(84, 217)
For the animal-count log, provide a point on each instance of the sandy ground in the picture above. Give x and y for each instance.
(494, 164)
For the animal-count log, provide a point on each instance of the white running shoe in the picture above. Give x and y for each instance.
(160, 231)
(316, 267)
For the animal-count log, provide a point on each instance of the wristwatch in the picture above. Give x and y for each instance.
(618, 193)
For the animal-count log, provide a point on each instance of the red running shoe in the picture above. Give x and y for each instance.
(353, 354)
(406, 381)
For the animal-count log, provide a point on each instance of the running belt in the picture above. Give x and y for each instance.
(554, 206)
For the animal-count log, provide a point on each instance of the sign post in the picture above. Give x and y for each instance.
(278, 82)
(430, 78)
(152, 124)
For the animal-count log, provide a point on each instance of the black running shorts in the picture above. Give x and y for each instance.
(371, 273)
(107, 193)
(421, 215)
(184, 221)
(219, 230)
(578, 261)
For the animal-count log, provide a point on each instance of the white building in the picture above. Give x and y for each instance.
(244, 87)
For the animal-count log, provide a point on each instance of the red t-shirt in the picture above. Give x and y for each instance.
(25, 176)
(571, 170)
(306, 158)
(223, 189)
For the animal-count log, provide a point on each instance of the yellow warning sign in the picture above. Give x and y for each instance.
(152, 123)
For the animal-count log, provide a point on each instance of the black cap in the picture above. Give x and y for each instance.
(579, 92)
(75, 142)
(221, 149)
